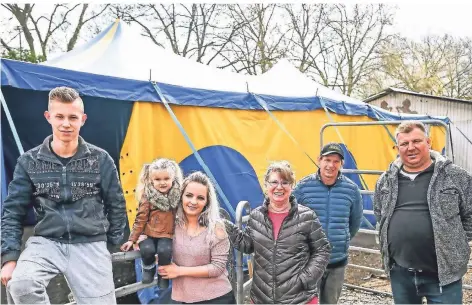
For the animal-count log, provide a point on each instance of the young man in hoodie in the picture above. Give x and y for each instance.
(423, 205)
(337, 202)
(79, 206)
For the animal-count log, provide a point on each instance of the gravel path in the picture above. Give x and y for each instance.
(350, 296)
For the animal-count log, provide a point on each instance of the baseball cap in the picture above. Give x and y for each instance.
(332, 148)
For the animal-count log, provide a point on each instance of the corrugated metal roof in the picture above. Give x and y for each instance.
(393, 89)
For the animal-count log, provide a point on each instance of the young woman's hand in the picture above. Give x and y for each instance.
(169, 272)
(126, 246)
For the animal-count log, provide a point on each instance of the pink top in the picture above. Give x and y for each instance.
(195, 251)
(277, 219)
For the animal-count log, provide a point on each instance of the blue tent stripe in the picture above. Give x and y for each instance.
(43, 78)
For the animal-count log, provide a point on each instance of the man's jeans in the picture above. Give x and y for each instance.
(409, 286)
(330, 285)
(87, 268)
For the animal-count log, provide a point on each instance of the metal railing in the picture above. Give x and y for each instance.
(242, 206)
(384, 123)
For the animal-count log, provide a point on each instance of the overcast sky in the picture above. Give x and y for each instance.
(415, 19)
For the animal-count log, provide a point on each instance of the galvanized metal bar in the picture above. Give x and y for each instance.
(368, 289)
(242, 205)
(397, 122)
(371, 232)
(364, 192)
(125, 256)
(247, 287)
(369, 212)
(367, 268)
(131, 288)
(366, 250)
(363, 171)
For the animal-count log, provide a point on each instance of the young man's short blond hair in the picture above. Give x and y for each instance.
(64, 95)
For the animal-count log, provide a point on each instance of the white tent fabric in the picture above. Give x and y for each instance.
(286, 80)
(121, 51)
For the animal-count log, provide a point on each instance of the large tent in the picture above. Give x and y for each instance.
(144, 102)
(237, 124)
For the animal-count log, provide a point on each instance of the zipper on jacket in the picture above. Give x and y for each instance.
(64, 188)
(327, 214)
(274, 253)
(273, 269)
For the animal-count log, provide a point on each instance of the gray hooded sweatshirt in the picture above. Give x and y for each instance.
(450, 205)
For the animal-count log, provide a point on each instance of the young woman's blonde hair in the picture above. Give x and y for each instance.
(159, 164)
(210, 215)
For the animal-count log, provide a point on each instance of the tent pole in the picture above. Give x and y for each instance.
(11, 123)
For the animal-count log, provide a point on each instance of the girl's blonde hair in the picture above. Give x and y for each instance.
(210, 215)
(159, 164)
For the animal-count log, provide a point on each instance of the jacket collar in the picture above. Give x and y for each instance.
(439, 162)
(317, 176)
(46, 154)
(293, 203)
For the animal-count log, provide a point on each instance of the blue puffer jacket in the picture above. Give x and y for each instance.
(339, 209)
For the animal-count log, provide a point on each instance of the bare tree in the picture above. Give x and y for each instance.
(44, 31)
(359, 33)
(197, 31)
(308, 42)
(261, 40)
(438, 65)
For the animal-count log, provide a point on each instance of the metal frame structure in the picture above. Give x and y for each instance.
(383, 123)
(242, 206)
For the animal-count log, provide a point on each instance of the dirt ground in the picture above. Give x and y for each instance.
(375, 281)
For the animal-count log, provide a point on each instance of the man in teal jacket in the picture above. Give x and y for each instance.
(338, 203)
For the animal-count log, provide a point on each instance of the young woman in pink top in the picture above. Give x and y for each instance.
(200, 247)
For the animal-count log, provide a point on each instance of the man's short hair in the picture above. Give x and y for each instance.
(408, 126)
(64, 95)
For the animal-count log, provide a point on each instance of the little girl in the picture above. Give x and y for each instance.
(158, 194)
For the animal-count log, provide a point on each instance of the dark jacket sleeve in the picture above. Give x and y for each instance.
(377, 202)
(15, 208)
(240, 239)
(113, 199)
(357, 211)
(320, 251)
